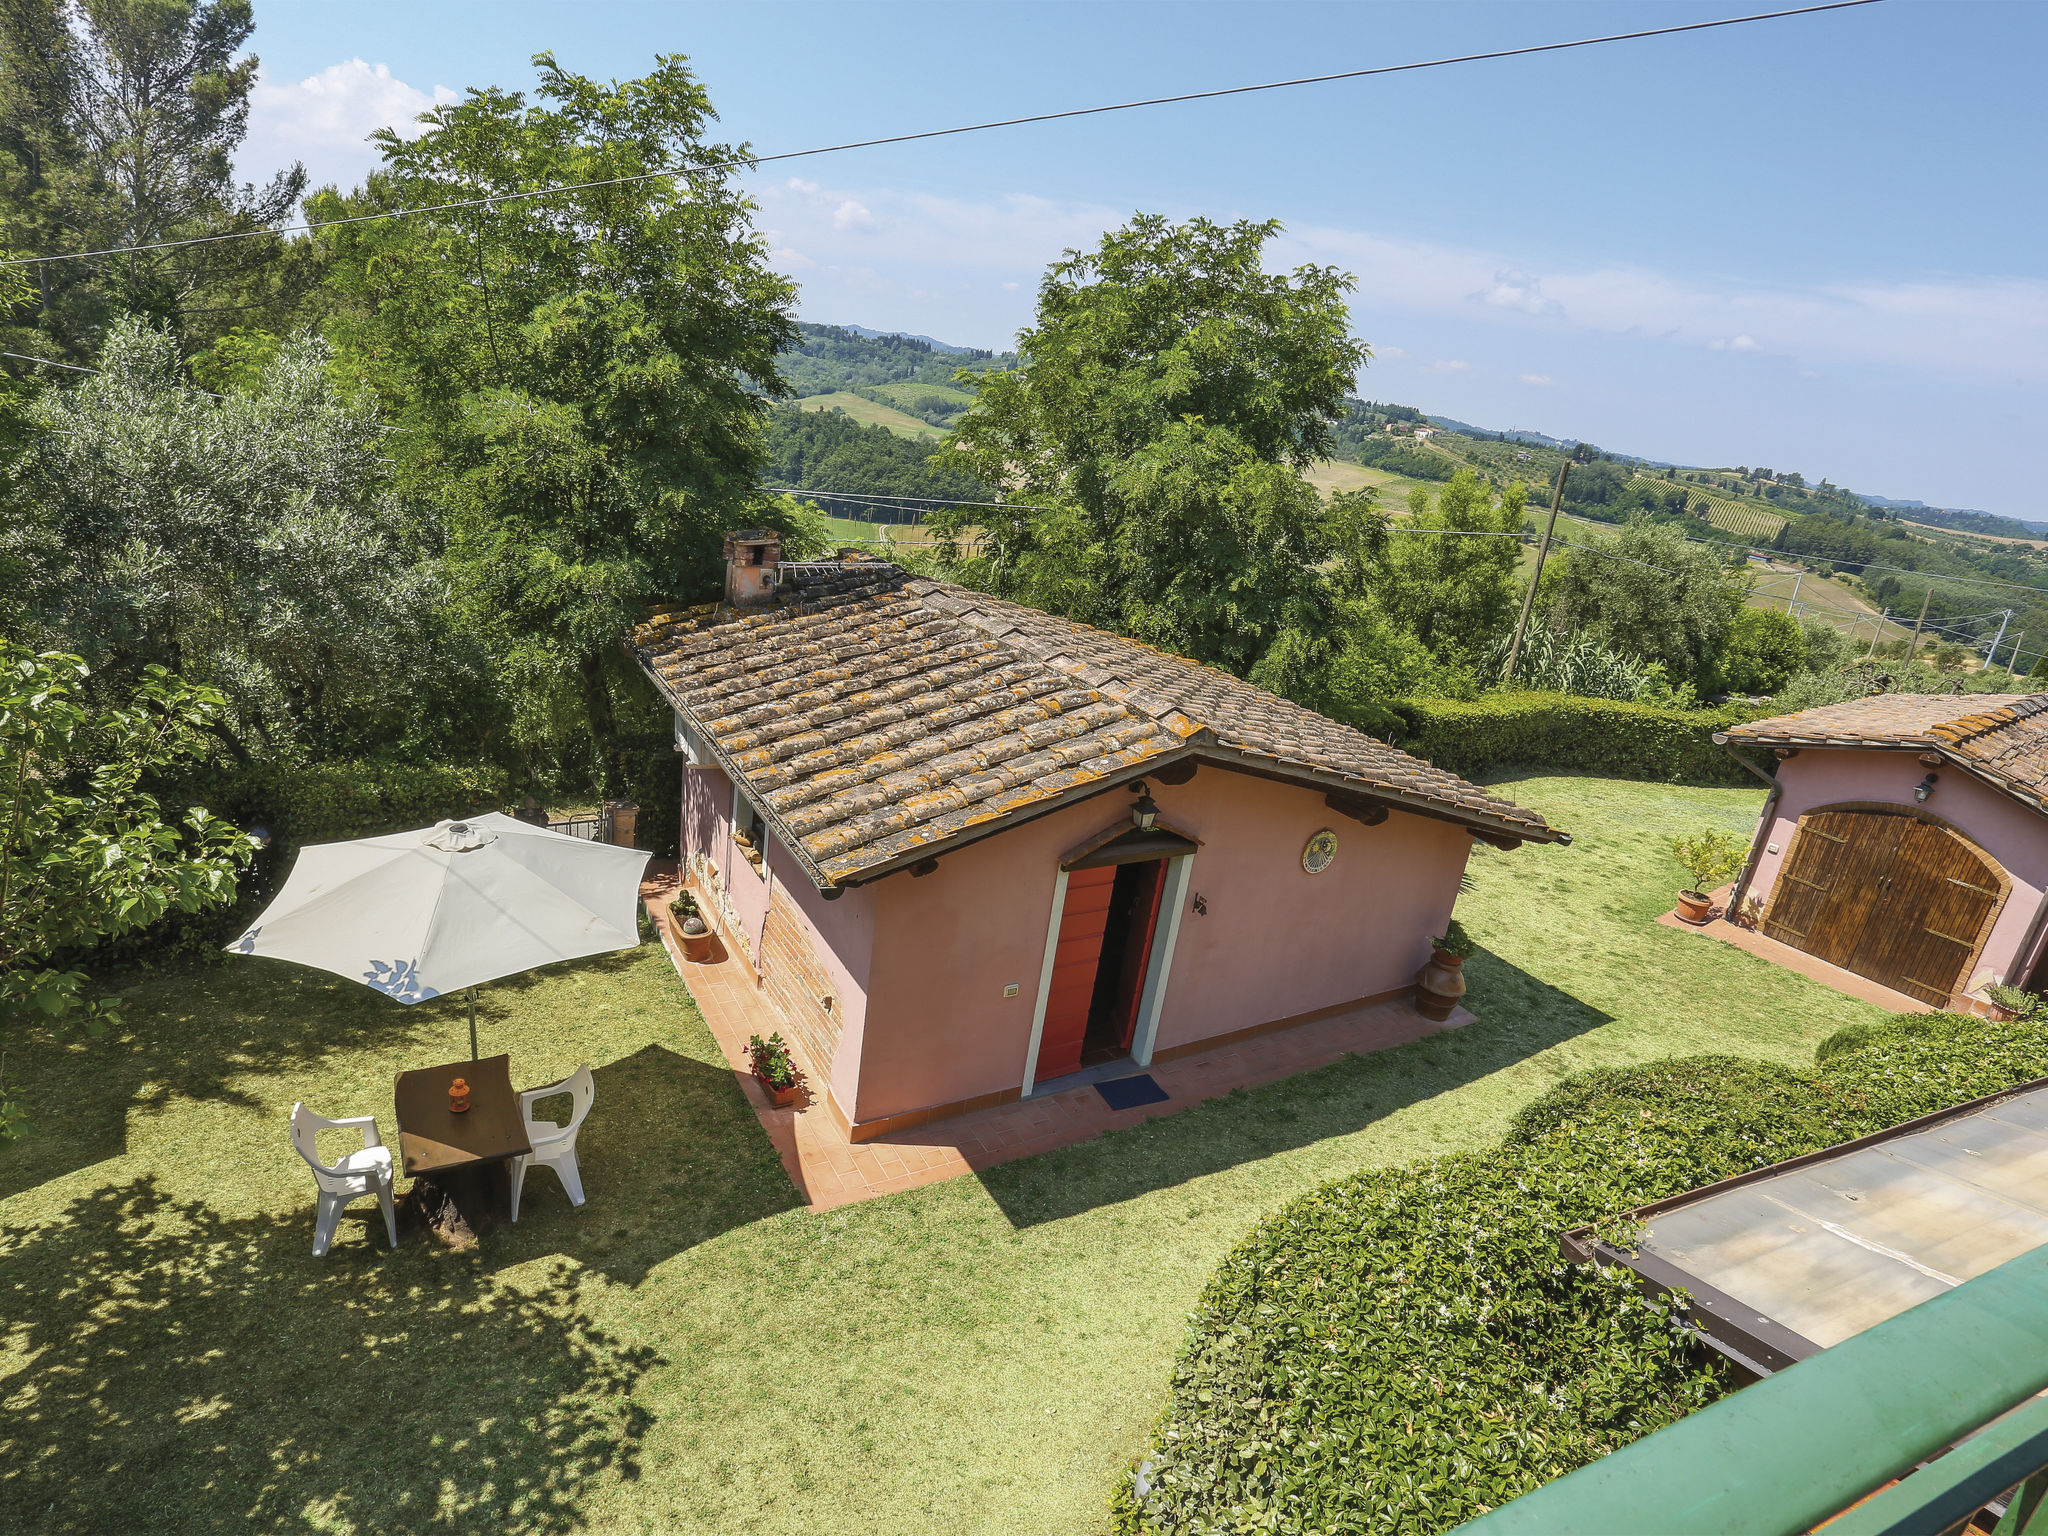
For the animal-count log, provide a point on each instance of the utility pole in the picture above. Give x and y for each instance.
(1998, 640)
(1918, 625)
(1876, 630)
(1542, 554)
(2012, 661)
(1791, 601)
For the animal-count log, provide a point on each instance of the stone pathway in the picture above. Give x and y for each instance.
(831, 1170)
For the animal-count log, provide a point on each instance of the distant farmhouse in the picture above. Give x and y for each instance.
(1906, 840)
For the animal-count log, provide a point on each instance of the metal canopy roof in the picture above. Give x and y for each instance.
(1782, 1262)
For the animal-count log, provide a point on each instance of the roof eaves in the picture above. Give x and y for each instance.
(805, 862)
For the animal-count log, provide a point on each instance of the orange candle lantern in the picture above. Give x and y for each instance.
(458, 1097)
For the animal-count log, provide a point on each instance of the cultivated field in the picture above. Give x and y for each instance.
(860, 408)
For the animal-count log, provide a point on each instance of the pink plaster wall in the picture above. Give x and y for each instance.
(841, 932)
(1276, 941)
(2003, 828)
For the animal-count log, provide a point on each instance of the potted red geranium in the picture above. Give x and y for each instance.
(773, 1069)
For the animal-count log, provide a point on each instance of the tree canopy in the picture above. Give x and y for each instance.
(1646, 592)
(1153, 441)
(119, 120)
(579, 380)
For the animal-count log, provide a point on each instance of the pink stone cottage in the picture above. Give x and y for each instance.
(1906, 839)
(970, 849)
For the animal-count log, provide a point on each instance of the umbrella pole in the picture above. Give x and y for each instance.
(472, 1024)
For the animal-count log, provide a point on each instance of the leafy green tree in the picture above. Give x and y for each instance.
(1648, 593)
(2040, 667)
(85, 853)
(579, 380)
(1456, 595)
(119, 120)
(1153, 440)
(1762, 649)
(250, 544)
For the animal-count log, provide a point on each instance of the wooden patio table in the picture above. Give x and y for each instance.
(458, 1161)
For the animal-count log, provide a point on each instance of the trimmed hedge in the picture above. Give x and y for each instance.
(1401, 1350)
(332, 802)
(1560, 730)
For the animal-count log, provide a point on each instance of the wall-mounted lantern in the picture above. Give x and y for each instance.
(1143, 811)
(1925, 787)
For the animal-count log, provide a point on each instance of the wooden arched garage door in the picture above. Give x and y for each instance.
(1889, 895)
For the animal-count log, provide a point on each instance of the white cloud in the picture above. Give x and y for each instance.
(967, 254)
(1538, 379)
(1448, 365)
(1518, 290)
(325, 119)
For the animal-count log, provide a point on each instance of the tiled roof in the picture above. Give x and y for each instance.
(877, 717)
(2000, 737)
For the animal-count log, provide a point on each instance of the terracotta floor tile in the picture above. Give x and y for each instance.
(832, 1171)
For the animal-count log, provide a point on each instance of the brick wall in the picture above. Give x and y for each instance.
(797, 984)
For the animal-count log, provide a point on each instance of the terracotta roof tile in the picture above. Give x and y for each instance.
(873, 714)
(2000, 737)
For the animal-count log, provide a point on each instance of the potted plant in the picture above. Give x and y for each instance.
(692, 932)
(773, 1069)
(1709, 857)
(2011, 1002)
(1442, 981)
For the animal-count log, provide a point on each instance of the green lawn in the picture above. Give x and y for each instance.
(690, 1352)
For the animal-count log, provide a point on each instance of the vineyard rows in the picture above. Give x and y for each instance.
(1729, 515)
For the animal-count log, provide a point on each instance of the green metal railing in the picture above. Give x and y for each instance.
(1800, 1447)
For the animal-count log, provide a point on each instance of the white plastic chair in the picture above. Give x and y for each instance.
(360, 1173)
(553, 1144)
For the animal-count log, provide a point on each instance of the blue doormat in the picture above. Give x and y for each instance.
(1130, 1092)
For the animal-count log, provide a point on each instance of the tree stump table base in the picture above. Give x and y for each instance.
(455, 1205)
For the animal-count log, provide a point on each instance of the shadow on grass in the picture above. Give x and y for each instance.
(190, 1370)
(671, 1156)
(192, 1032)
(1522, 1016)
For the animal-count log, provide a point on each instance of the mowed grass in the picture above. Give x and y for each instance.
(691, 1351)
(873, 412)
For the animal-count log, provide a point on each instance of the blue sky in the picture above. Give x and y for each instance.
(1814, 244)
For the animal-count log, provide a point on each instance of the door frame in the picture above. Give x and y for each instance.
(1917, 813)
(1158, 966)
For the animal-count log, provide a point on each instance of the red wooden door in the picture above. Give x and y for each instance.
(1082, 922)
(1138, 950)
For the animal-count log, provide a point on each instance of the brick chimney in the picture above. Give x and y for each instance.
(751, 555)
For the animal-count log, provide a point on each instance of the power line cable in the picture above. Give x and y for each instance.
(940, 133)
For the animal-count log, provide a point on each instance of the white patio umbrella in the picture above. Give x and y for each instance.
(417, 915)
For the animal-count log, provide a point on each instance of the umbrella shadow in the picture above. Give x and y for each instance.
(183, 1368)
(671, 1156)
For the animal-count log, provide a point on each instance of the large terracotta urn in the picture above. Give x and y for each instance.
(1439, 987)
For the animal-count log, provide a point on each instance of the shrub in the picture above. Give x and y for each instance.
(333, 802)
(298, 804)
(1707, 857)
(1403, 1349)
(1456, 941)
(1555, 730)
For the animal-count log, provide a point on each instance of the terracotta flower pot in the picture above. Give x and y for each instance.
(1693, 907)
(695, 946)
(1439, 987)
(781, 1098)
